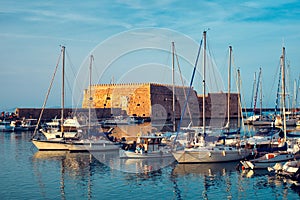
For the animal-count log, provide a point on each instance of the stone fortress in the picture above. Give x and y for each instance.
(155, 101)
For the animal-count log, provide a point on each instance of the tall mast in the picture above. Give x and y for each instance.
(261, 94)
(173, 83)
(283, 90)
(294, 98)
(204, 66)
(63, 89)
(229, 80)
(253, 90)
(257, 86)
(278, 92)
(90, 90)
(239, 97)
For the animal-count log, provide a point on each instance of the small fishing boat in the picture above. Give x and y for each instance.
(268, 160)
(144, 147)
(29, 124)
(6, 127)
(17, 125)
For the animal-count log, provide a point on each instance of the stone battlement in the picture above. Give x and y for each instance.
(155, 100)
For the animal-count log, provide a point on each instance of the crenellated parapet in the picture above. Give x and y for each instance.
(155, 100)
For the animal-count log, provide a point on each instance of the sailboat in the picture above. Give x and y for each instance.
(227, 130)
(205, 148)
(76, 144)
(61, 128)
(270, 159)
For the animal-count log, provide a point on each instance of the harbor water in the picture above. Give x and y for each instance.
(29, 174)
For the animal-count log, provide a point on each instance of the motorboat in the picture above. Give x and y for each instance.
(17, 125)
(6, 127)
(268, 160)
(146, 146)
(29, 124)
(69, 129)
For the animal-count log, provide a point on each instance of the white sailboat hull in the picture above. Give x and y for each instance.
(50, 145)
(138, 155)
(79, 146)
(89, 145)
(209, 155)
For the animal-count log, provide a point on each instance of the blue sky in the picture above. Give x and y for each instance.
(31, 32)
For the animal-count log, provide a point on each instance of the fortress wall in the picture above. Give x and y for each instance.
(156, 101)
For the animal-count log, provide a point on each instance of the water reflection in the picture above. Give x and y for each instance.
(62, 169)
(83, 164)
(143, 166)
(212, 177)
(76, 166)
(209, 169)
(75, 163)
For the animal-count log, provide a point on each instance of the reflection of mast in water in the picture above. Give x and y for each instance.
(228, 183)
(206, 187)
(212, 175)
(89, 177)
(75, 165)
(62, 180)
(41, 156)
(173, 178)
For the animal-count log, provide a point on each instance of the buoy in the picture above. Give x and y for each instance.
(224, 153)
(243, 167)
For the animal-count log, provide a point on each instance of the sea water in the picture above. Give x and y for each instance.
(29, 174)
